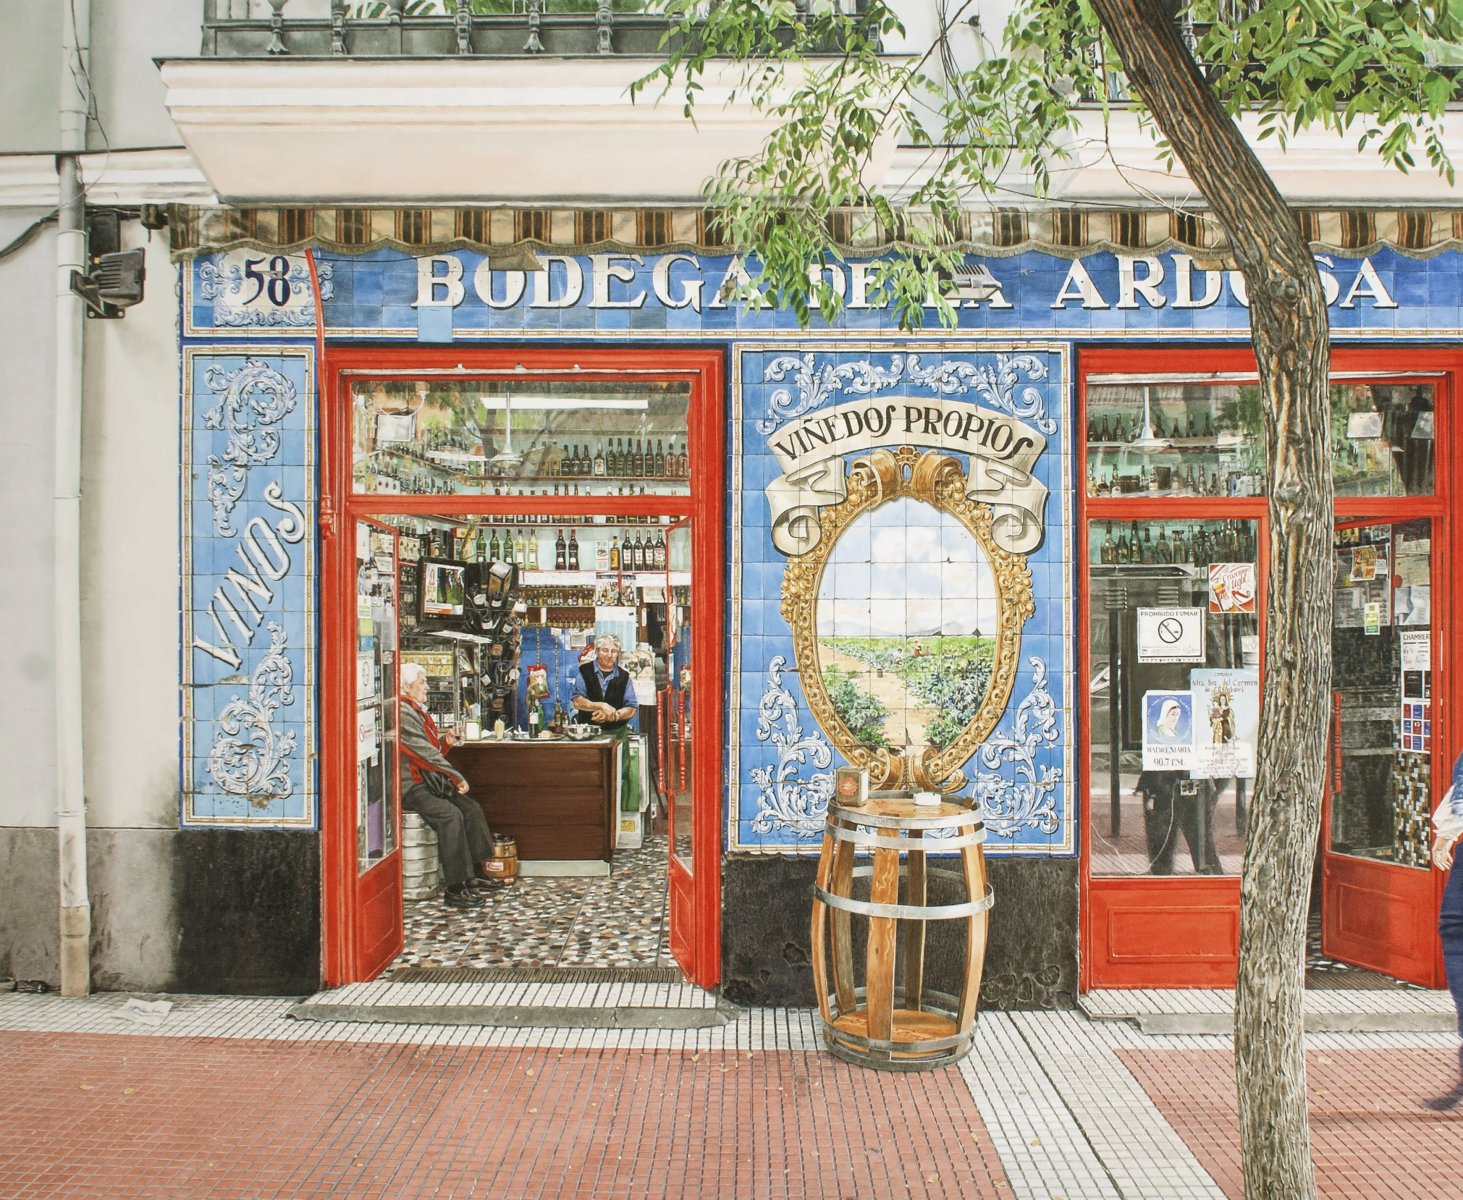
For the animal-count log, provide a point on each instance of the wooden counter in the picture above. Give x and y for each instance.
(556, 798)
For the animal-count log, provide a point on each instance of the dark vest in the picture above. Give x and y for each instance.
(614, 694)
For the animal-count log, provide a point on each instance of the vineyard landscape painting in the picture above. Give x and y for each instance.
(905, 621)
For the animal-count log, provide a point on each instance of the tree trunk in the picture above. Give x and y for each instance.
(1292, 346)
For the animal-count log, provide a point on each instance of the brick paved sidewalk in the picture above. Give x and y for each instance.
(225, 1098)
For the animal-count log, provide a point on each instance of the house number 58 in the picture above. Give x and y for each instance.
(274, 281)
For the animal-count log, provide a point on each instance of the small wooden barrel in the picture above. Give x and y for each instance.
(504, 863)
(894, 1021)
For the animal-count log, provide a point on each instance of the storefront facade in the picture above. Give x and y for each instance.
(901, 551)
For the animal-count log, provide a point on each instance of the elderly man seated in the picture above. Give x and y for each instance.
(437, 792)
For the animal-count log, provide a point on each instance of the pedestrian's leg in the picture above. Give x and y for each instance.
(1161, 829)
(1450, 928)
(477, 836)
(446, 822)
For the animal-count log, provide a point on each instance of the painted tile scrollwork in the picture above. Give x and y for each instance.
(248, 602)
(250, 757)
(1008, 383)
(1026, 798)
(786, 800)
(252, 401)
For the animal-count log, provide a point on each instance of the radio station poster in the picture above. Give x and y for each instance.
(1227, 713)
(1168, 731)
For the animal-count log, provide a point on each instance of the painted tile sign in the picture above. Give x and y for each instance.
(248, 598)
(900, 585)
(441, 298)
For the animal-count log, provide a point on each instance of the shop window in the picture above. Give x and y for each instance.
(1382, 439)
(520, 437)
(1173, 693)
(1147, 437)
(1382, 692)
(1154, 436)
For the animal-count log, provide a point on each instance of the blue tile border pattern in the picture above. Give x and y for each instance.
(781, 760)
(248, 605)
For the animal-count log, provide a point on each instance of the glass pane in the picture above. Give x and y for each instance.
(1382, 437)
(377, 773)
(1174, 439)
(1382, 640)
(1174, 694)
(674, 704)
(520, 437)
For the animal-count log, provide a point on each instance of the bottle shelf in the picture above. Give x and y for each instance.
(645, 577)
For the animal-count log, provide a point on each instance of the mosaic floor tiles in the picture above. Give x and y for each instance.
(614, 921)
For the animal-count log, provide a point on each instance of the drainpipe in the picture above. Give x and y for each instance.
(75, 903)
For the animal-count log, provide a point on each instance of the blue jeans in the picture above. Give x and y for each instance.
(1450, 928)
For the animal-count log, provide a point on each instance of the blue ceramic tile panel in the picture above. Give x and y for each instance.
(902, 584)
(249, 624)
(253, 292)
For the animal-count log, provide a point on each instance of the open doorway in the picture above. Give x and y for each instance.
(525, 586)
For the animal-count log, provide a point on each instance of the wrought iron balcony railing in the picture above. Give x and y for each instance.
(436, 28)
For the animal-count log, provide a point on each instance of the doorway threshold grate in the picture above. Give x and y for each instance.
(536, 975)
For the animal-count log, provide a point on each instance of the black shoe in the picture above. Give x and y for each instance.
(487, 883)
(462, 896)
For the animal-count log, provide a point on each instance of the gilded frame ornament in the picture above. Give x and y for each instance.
(938, 480)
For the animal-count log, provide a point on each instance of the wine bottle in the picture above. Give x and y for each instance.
(639, 471)
(532, 563)
(600, 466)
(658, 469)
(561, 552)
(520, 550)
(573, 551)
(566, 461)
(660, 552)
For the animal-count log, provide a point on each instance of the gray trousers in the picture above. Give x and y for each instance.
(463, 838)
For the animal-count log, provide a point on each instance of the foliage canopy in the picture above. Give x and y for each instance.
(994, 117)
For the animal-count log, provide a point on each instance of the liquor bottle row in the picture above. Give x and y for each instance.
(619, 458)
(633, 554)
(1117, 428)
(559, 597)
(1234, 541)
(1164, 480)
(392, 473)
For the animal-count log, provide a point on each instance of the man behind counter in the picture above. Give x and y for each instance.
(603, 694)
(601, 690)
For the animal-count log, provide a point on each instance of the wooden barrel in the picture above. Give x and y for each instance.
(894, 1021)
(504, 863)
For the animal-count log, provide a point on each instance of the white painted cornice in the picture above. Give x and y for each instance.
(532, 130)
(125, 178)
(1117, 162)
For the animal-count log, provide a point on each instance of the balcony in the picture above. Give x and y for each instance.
(324, 102)
(435, 28)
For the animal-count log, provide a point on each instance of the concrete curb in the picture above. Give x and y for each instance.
(518, 1016)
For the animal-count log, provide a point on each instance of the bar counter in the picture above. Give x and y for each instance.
(557, 798)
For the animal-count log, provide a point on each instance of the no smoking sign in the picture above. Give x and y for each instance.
(1171, 635)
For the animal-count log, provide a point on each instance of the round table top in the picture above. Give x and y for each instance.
(898, 809)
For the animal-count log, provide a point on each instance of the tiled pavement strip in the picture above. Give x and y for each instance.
(1070, 1108)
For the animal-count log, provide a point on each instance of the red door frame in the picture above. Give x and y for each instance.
(376, 893)
(699, 890)
(1189, 926)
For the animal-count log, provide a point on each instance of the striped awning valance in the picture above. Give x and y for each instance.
(1069, 232)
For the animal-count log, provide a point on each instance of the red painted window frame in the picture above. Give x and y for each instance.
(705, 370)
(1193, 898)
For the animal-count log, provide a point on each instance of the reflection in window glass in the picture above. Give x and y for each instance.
(1382, 439)
(1174, 439)
(521, 437)
(1174, 694)
(1382, 640)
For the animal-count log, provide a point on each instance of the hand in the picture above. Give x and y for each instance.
(449, 739)
(462, 787)
(1442, 853)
